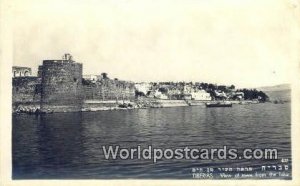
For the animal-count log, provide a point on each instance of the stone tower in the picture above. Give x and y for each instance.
(61, 85)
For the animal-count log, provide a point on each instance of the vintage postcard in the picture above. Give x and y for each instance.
(150, 92)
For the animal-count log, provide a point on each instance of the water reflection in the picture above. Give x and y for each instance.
(69, 145)
(64, 139)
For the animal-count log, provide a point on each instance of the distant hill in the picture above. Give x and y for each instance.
(276, 87)
(278, 92)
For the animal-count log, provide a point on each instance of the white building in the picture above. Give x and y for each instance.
(187, 89)
(160, 95)
(221, 94)
(92, 78)
(143, 87)
(239, 95)
(200, 95)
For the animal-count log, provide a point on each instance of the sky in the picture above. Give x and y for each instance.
(245, 43)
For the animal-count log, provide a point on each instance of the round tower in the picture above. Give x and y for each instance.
(61, 85)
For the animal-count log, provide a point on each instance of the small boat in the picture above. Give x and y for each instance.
(219, 104)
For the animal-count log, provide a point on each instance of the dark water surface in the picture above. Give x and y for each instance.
(69, 145)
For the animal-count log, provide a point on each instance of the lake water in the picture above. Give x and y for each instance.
(69, 145)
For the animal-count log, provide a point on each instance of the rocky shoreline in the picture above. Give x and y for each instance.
(100, 105)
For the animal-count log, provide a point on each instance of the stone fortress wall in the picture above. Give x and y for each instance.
(26, 91)
(59, 87)
(109, 89)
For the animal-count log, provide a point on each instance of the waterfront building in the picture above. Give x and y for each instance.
(201, 95)
(143, 87)
(160, 95)
(220, 94)
(238, 95)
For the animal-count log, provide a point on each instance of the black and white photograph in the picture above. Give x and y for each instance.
(176, 90)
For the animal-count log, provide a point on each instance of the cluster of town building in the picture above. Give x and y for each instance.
(186, 91)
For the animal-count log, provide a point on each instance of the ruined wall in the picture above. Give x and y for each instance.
(40, 71)
(26, 91)
(21, 71)
(108, 89)
(61, 86)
